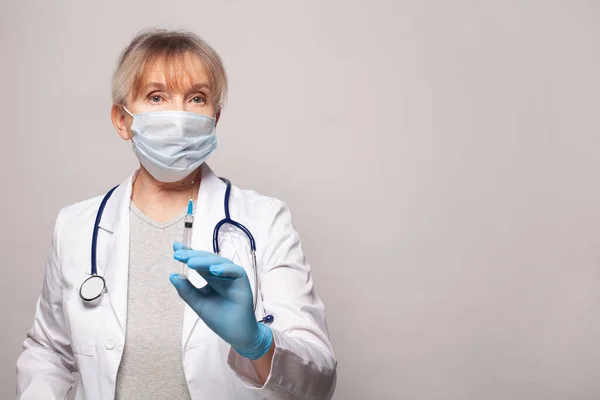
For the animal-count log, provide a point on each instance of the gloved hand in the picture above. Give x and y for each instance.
(225, 304)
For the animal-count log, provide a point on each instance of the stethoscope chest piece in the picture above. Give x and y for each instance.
(92, 288)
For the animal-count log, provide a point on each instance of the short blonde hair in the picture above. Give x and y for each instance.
(169, 47)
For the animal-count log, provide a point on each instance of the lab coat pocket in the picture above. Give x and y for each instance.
(84, 320)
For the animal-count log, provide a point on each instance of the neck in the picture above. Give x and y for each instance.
(161, 201)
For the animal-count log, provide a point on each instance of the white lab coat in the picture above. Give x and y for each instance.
(70, 336)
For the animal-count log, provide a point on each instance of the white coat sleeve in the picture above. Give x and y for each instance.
(304, 364)
(45, 367)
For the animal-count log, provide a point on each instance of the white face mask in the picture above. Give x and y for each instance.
(172, 144)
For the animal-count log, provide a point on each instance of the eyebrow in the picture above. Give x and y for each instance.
(196, 87)
(157, 85)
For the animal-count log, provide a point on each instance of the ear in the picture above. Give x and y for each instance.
(218, 116)
(121, 121)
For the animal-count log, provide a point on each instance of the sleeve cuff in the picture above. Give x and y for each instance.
(245, 371)
(291, 376)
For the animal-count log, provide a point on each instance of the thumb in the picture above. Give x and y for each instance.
(188, 292)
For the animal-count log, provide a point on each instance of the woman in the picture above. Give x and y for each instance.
(138, 340)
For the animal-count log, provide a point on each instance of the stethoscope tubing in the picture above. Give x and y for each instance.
(216, 249)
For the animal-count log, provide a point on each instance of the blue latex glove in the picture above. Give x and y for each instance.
(225, 304)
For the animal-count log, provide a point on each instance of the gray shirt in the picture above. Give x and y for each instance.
(151, 367)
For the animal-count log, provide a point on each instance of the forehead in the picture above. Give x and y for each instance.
(178, 72)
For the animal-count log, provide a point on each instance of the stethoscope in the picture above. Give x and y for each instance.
(95, 285)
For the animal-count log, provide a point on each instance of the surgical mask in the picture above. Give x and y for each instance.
(172, 144)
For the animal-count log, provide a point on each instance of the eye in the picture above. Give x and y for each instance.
(198, 100)
(155, 98)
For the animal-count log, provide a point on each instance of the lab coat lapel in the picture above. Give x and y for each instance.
(114, 262)
(209, 211)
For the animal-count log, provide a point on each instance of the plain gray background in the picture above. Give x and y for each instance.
(440, 159)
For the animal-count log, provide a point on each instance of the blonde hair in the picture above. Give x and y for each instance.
(169, 47)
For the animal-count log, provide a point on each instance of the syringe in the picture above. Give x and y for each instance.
(188, 223)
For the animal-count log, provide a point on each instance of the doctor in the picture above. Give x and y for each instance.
(139, 340)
